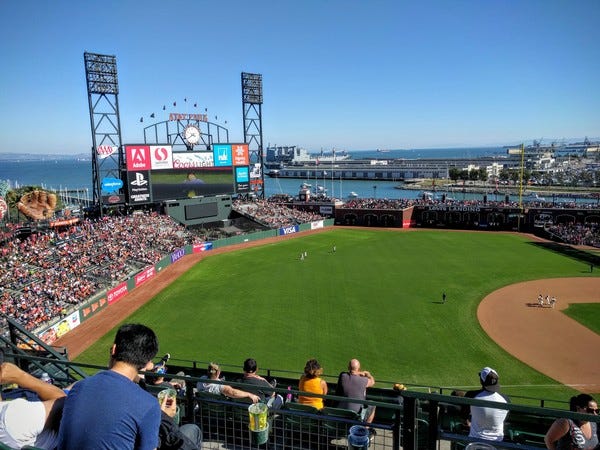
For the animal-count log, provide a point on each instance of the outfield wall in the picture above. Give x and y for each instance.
(465, 216)
(104, 299)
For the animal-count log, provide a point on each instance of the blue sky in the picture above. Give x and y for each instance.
(346, 74)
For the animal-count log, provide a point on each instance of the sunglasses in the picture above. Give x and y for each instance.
(592, 410)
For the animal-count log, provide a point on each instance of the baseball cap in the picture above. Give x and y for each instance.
(489, 379)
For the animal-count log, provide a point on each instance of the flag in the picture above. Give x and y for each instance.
(185, 99)
(195, 105)
(174, 103)
(152, 115)
(317, 162)
(164, 107)
(141, 119)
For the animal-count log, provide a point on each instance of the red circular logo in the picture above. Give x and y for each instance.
(161, 154)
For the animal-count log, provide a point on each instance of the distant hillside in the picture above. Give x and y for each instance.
(11, 156)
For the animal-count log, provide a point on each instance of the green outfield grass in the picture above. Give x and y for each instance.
(377, 298)
(587, 314)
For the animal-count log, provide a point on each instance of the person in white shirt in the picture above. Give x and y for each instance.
(488, 422)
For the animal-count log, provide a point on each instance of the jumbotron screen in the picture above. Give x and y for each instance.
(172, 184)
(156, 173)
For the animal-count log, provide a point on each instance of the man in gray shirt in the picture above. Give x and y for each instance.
(353, 384)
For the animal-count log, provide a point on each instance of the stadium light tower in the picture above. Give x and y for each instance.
(252, 99)
(105, 121)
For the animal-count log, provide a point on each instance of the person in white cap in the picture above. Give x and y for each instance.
(488, 422)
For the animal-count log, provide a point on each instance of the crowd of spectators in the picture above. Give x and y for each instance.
(384, 203)
(577, 234)
(46, 274)
(42, 276)
(273, 214)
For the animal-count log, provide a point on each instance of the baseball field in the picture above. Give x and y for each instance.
(377, 297)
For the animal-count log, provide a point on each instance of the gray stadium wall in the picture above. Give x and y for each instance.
(199, 210)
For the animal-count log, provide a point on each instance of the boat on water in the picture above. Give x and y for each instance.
(352, 194)
(382, 151)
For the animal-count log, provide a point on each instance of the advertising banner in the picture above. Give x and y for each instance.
(139, 187)
(138, 157)
(111, 184)
(113, 199)
(316, 224)
(222, 154)
(203, 247)
(144, 275)
(61, 328)
(240, 154)
(256, 171)
(104, 151)
(177, 254)
(115, 294)
(242, 179)
(94, 306)
(326, 209)
(289, 230)
(161, 157)
(193, 160)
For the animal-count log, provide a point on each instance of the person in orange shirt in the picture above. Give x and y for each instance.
(311, 382)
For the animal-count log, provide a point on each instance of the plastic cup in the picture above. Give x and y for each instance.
(170, 393)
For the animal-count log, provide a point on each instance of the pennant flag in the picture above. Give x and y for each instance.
(185, 99)
(141, 119)
(152, 115)
(164, 107)
(195, 105)
(174, 103)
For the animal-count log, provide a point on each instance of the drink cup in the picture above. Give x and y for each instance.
(170, 393)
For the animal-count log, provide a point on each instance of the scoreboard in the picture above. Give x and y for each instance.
(156, 173)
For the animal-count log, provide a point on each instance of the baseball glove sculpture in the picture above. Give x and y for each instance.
(37, 204)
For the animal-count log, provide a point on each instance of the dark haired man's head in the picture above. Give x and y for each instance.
(135, 344)
(250, 365)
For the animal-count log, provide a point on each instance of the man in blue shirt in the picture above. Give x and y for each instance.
(109, 410)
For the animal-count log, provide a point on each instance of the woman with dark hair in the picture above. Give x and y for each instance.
(568, 434)
(311, 382)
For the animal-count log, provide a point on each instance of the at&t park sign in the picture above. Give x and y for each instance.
(183, 116)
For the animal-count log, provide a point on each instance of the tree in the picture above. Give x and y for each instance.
(454, 173)
(483, 174)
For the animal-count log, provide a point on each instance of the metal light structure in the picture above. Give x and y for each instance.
(107, 152)
(252, 99)
(521, 172)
